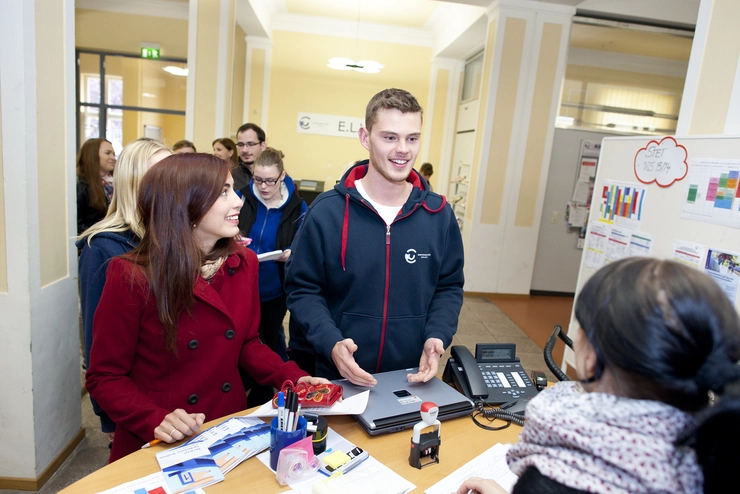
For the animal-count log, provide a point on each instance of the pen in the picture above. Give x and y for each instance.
(297, 415)
(281, 409)
(151, 443)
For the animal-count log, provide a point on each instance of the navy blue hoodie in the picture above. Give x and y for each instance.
(388, 288)
(93, 264)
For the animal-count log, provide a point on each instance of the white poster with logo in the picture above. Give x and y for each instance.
(328, 125)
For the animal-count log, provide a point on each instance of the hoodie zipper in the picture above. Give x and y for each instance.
(384, 325)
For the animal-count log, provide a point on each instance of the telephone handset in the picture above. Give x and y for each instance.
(494, 375)
(471, 383)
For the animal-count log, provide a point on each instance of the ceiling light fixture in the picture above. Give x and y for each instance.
(344, 63)
(176, 70)
(366, 66)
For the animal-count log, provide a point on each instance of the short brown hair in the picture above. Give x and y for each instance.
(389, 99)
(184, 144)
(426, 169)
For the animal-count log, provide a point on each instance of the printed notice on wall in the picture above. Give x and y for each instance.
(621, 204)
(689, 253)
(711, 193)
(724, 268)
(596, 241)
(328, 125)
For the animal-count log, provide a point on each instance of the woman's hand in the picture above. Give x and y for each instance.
(475, 485)
(284, 256)
(179, 424)
(313, 380)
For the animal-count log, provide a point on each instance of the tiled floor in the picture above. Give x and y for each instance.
(480, 321)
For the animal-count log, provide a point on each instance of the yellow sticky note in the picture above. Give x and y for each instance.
(336, 459)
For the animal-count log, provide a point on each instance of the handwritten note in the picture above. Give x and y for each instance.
(661, 162)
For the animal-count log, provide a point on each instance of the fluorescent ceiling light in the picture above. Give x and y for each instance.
(176, 70)
(366, 66)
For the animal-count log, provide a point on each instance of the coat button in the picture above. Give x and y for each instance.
(226, 387)
(231, 271)
(193, 399)
(229, 334)
(193, 344)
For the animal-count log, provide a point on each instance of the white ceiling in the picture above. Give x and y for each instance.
(453, 28)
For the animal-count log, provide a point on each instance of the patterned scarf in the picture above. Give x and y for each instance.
(209, 268)
(107, 182)
(602, 443)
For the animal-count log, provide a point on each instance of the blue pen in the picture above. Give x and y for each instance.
(281, 410)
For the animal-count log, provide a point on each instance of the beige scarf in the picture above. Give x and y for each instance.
(209, 268)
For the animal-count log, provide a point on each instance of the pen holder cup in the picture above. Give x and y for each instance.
(280, 439)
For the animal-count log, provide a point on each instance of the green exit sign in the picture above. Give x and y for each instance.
(152, 53)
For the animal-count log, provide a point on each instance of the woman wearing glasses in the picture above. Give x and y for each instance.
(271, 215)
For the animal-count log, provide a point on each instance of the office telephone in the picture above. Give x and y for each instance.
(494, 376)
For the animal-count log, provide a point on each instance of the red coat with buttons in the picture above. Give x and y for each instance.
(137, 381)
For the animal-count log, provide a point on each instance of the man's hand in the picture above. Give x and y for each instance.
(342, 357)
(429, 363)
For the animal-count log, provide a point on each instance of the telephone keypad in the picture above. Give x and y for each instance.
(507, 378)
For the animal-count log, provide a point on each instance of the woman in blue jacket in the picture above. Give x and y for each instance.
(116, 234)
(270, 217)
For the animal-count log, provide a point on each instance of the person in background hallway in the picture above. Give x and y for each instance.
(250, 142)
(225, 149)
(184, 147)
(117, 234)
(657, 404)
(95, 163)
(271, 215)
(375, 277)
(426, 170)
(179, 314)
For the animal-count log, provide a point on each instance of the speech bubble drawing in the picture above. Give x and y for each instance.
(663, 162)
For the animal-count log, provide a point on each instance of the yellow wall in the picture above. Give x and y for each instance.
(205, 76)
(500, 141)
(51, 139)
(237, 89)
(112, 31)
(718, 70)
(436, 134)
(540, 121)
(301, 82)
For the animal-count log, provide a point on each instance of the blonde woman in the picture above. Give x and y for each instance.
(116, 234)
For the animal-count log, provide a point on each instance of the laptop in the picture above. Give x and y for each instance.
(394, 402)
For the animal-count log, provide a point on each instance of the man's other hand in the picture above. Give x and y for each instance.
(429, 363)
(342, 357)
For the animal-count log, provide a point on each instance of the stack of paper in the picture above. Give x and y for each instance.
(204, 459)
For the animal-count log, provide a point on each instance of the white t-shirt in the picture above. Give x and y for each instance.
(388, 213)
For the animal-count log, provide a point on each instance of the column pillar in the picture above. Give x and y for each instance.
(711, 96)
(210, 63)
(524, 65)
(40, 417)
(257, 80)
(439, 118)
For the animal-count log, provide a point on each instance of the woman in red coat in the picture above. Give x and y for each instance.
(179, 315)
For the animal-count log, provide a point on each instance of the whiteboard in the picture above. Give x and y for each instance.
(662, 206)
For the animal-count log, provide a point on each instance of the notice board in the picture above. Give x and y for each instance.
(670, 198)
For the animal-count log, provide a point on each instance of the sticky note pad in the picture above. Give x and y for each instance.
(336, 459)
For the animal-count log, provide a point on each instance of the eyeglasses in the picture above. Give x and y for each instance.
(268, 181)
(248, 144)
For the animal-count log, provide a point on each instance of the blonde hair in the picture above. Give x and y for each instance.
(271, 157)
(132, 163)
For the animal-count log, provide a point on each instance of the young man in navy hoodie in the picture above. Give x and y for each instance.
(375, 279)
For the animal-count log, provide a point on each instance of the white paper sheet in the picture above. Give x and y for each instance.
(491, 464)
(353, 405)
